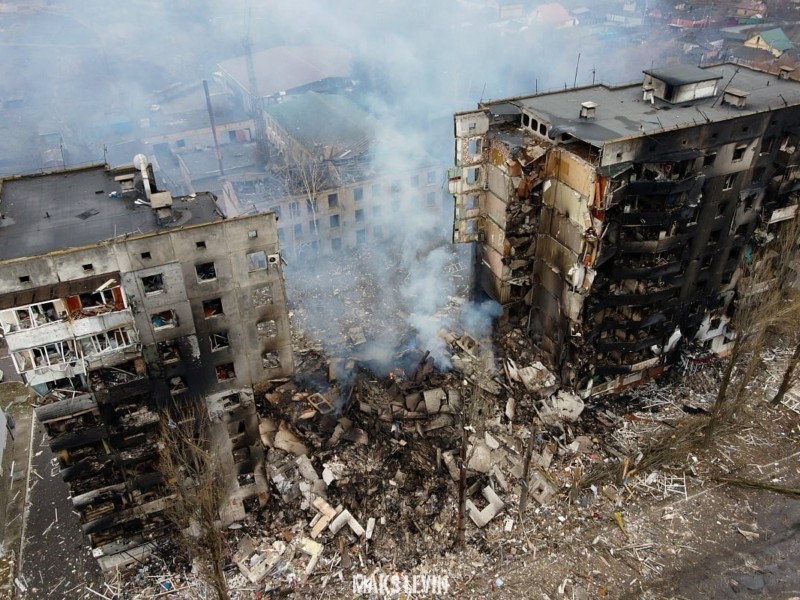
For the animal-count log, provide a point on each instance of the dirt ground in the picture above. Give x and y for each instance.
(716, 541)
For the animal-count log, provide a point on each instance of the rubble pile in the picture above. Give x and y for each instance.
(365, 472)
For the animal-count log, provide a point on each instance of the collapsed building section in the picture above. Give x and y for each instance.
(119, 302)
(614, 220)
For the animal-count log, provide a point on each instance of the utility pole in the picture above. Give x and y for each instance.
(213, 127)
(256, 110)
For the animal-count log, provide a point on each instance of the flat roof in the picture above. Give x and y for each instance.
(313, 119)
(285, 68)
(621, 111)
(72, 208)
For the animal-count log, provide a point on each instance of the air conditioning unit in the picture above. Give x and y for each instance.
(274, 259)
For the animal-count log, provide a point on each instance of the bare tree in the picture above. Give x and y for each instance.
(307, 177)
(762, 304)
(788, 376)
(189, 464)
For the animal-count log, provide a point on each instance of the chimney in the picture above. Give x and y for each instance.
(140, 162)
(735, 98)
(588, 109)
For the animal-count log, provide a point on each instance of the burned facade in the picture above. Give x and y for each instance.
(119, 301)
(614, 220)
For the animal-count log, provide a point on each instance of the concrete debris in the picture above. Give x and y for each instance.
(541, 488)
(255, 561)
(434, 399)
(481, 518)
(345, 518)
(561, 407)
(536, 378)
(321, 403)
(288, 442)
(356, 336)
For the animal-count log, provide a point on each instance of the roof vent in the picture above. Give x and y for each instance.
(735, 98)
(785, 72)
(588, 110)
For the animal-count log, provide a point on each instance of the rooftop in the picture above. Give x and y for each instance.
(682, 74)
(621, 111)
(775, 38)
(70, 209)
(322, 120)
(286, 68)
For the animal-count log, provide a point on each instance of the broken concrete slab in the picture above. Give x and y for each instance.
(541, 488)
(370, 527)
(255, 562)
(412, 401)
(267, 428)
(481, 518)
(306, 468)
(479, 457)
(562, 406)
(345, 518)
(434, 399)
(356, 335)
(450, 463)
(321, 404)
(440, 421)
(288, 442)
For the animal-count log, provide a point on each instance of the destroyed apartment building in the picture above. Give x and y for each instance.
(117, 301)
(328, 184)
(613, 220)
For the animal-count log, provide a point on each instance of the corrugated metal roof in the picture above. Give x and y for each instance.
(777, 39)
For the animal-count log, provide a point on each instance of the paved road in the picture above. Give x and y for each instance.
(56, 560)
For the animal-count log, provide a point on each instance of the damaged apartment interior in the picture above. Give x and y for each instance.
(614, 220)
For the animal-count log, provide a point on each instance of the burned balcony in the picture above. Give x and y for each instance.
(630, 242)
(663, 219)
(114, 377)
(629, 320)
(138, 448)
(55, 408)
(110, 493)
(77, 439)
(137, 419)
(630, 343)
(111, 521)
(47, 305)
(89, 467)
(86, 486)
(640, 297)
(651, 273)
